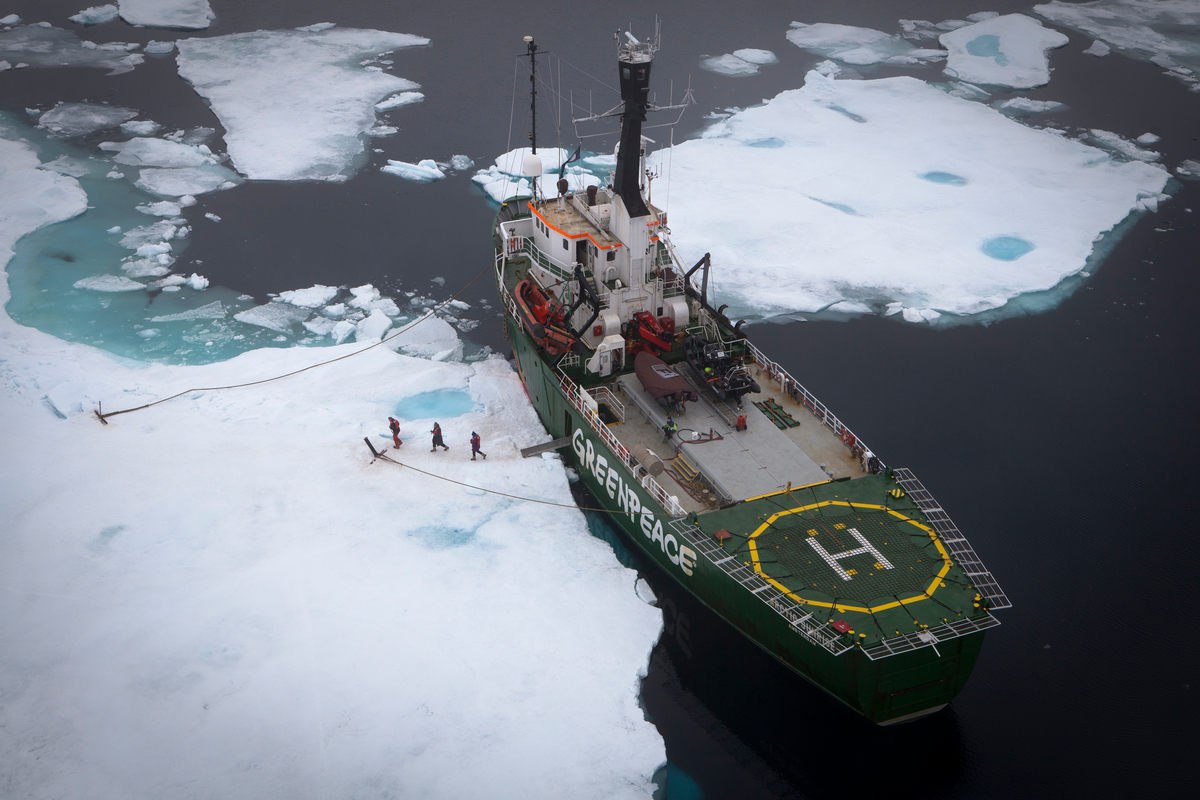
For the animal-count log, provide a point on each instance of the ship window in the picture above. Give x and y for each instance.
(565, 245)
(625, 73)
(612, 255)
(641, 74)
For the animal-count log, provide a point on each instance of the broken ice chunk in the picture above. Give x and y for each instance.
(398, 100)
(109, 283)
(273, 316)
(1010, 50)
(147, 152)
(80, 119)
(95, 15)
(424, 171)
(312, 297)
(176, 14)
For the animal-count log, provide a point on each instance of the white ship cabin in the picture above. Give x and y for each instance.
(628, 261)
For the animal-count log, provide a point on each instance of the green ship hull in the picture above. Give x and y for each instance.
(888, 690)
(713, 460)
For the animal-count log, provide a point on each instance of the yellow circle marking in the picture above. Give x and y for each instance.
(937, 580)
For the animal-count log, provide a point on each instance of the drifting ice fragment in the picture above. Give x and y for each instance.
(176, 14)
(372, 328)
(80, 119)
(49, 47)
(159, 48)
(1023, 105)
(65, 165)
(140, 127)
(109, 283)
(273, 316)
(424, 171)
(1098, 49)
(145, 152)
(186, 180)
(399, 100)
(214, 310)
(198, 282)
(461, 163)
(1117, 144)
(312, 297)
(857, 46)
(95, 15)
(1012, 51)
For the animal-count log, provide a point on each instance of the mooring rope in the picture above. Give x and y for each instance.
(390, 460)
(104, 417)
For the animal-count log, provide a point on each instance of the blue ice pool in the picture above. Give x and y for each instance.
(444, 403)
(987, 46)
(947, 178)
(1006, 248)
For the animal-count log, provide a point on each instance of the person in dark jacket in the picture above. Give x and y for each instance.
(437, 438)
(475, 442)
(394, 424)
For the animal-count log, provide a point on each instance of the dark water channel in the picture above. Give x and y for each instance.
(1061, 443)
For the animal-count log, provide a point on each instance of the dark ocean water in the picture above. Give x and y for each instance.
(1061, 443)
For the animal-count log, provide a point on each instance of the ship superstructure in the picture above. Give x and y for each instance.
(719, 464)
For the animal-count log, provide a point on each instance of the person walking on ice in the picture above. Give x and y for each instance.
(475, 441)
(394, 424)
(437, 439)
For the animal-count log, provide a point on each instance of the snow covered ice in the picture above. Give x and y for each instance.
(1164, 32)
(739, 62)
(230, 597)
(1010, 51)
(891, 191)
(293, 104)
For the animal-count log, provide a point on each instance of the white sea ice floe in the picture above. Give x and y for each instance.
(858, 46)
(312, 297)
(213, 310)
(1098, 49)
(49, 47)
(159, 48)
(293, 105)
(368, 298)
(1164, 32)
(274, 316)
(177, 182)
(320, 26)
(109, 283)
(372, 327)
(503, 180)
(321, 326)
(461, 163)
(341, 331)
(80, 119)
(1148, 138)
(140, 127)
(149, 152)
(211, 216)
(880, 191)
(1189, 170)
(739, 62)
(1120, 145)
(96, 15)
(1024, 105)
(399, 100)
(197, 282)
(66, 165)
(424, 171)
(161, 209)
(175, 14)
(11, 19)
(433, 337)
(1010, 50)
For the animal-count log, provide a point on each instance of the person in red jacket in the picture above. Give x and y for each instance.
(437, 439)
(394, 424)
(475, 441)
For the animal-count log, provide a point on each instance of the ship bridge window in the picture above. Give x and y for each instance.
(625, 73)
(612, 255)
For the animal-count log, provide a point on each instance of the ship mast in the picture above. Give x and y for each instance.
(532, 53)
(634, 61)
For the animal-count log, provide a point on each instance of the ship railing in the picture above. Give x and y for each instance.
(804, 623)
(952, 537)
(794, 389)
(605, 395)
(574, 395)
(515, 243)
(506, 297)
(929, 637)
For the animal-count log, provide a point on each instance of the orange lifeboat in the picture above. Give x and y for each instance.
(545, 321)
